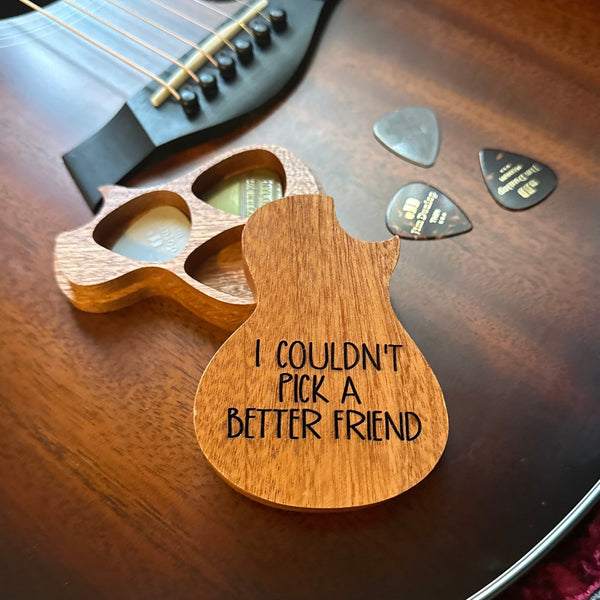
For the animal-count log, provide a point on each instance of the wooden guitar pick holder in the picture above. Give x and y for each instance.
(320, 400)
(207, 275)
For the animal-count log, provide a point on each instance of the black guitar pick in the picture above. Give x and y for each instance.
(515, 181)
(412, 133)
(421, 212)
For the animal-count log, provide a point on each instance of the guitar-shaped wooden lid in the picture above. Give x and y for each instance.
(320, 400)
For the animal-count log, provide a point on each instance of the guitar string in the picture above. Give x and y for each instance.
(247, 5)
(165, 85)
(135, 39)
(228, 30)
(181, 15)
(220, 12)
(196, 47)
(106, 49)
(193, 21)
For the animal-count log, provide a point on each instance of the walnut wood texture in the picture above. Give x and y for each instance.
(207, 276)
(104, 491)
(321, 400)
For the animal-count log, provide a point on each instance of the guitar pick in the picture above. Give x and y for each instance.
(421, 212)
(412, 133)
(515, 181)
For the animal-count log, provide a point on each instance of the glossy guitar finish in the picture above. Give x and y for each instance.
(280, 415)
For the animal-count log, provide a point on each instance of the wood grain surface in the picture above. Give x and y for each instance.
(320, 401)
(105, 492)
(206, 276)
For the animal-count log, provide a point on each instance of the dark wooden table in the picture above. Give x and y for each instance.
(104, 491)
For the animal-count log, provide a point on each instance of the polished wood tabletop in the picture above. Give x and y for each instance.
(104, 491)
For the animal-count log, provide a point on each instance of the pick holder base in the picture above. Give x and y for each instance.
(193, 256)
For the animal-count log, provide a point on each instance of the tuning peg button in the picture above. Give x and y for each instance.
(209, 85)
(190, 103)
(226, 67)
(244, 50)
(262, 33)
(278, 18)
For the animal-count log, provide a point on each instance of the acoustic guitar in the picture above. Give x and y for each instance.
(105, 492)
(239, 57)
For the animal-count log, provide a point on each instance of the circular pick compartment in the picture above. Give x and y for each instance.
(219, 264)
(190, 247)
(238, 185)
(242, 183)
(154, 227)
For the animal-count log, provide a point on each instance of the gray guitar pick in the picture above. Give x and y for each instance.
(412, 133)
